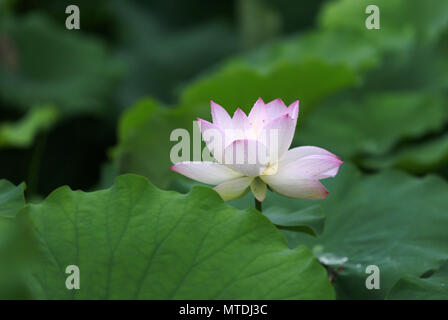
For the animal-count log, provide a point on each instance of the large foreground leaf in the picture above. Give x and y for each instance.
(15, 257)
(135, 241)
(15, 249)
(392, 220)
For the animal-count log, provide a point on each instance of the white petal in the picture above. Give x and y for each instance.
(220, 116)
(300, 178)
(276, 108)
(293, 109)
(330, 173)
(301, 152)
(296, 188)
(258, 116)
(241, 128)
(259, 189)
(205, 172)
(313, 166)
(248, 157)
(277, 135)
(214, 138)
(233, 189)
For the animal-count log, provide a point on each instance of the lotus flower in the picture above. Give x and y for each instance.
(251, 152)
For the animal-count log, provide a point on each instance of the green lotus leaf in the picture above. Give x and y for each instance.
(136, 241)
(374, 124)
(21, 134)
(72, 72)
(12, 198)
(392, 220)
(434, 287)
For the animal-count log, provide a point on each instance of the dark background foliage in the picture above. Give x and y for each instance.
(153, 47)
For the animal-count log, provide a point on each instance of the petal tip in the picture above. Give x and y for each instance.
(214, 106)
(338, 160)
(297, 102)
(239, 112)
(324, 193)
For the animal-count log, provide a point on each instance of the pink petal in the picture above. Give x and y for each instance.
(205, 172)
(220, 116)
(241, 128)
(276, 108)
(293, 109)
(258, 116)
(300, 178)
(277, 135)
(233, 189)
(330, 173)
(214, 138)
(314, 167)
(296, 188)
(301, 152)
(248, 157)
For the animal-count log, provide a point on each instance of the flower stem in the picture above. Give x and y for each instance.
(257, 205)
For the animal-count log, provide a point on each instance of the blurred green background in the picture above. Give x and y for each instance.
(80, 107)
(62, 92)
(376, 97)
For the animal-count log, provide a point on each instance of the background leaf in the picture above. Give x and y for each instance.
(240, 85)
(434, 287)
(12, 198)
(22, 133)
(419, 158)
(81, 74)
(391, 220)
(401, 20)
(310, 220)
(373, 124)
